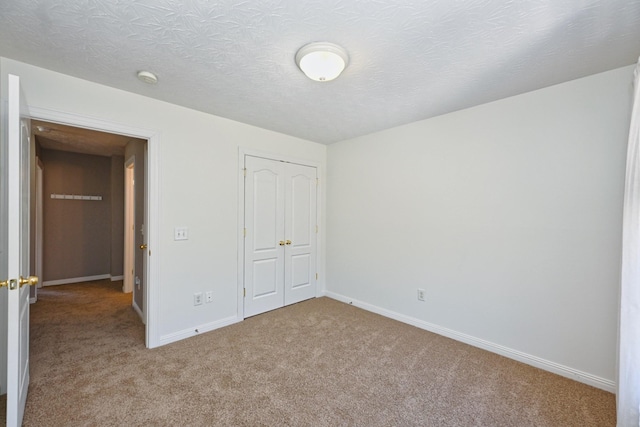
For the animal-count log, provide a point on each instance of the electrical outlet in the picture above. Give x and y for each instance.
(181, 233)
(209, 296)
(420, 294)
(197, 298)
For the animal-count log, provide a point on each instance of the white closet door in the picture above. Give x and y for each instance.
(280, 240)
(300, 234)
(264, 240)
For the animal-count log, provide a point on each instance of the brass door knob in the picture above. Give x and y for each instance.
(31, 281)
(281, 243)
(4, 283)
(143, 246)
(288, 242)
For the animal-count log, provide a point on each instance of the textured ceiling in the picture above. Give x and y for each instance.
(54, 136)
(409, 60)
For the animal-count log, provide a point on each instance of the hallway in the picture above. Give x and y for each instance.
(76, 329)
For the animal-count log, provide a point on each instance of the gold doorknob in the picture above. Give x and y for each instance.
(143, 246)
(288, 242)
(281, 243)
(4, 283)
(31, 281)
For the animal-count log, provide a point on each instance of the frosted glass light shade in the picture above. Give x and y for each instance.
(322, 61)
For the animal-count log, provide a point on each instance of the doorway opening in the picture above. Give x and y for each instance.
(88, 199)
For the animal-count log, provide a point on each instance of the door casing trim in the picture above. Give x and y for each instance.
(152, 171)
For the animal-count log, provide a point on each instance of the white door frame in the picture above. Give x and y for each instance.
(152, 173)
(39, 237)
(242, 152)
(129, 224)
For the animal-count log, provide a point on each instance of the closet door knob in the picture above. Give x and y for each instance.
(288, 242)
(281, 243)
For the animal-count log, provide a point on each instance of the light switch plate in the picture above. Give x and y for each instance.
(181, 233)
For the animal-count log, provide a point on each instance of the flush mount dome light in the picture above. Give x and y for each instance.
(147, 77)
(322, 61)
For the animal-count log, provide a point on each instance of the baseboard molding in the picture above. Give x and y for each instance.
(187, 333)
(137, 310)
(528, 359)
(81, 279)
(75, 280)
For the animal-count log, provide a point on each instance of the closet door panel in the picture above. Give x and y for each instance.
(264, 223)
(300, 232)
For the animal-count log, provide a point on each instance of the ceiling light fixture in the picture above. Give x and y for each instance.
(322, 61)
(147, 77)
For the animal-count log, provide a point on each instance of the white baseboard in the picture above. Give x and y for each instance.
(137, 310)
(187, 333)
(116, 278)
(75, 280)
(528, 359)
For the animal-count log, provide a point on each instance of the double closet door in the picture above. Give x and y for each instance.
(280, 234)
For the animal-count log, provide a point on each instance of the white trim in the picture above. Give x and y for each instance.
(75, 280)
(39, 237)
(137, 309)
(242, 152)
(152, 292)
(277, 157)
(240, 228)
(547, 365)
(207, 327)
(33, 300)
(129, 225)
(81, 279)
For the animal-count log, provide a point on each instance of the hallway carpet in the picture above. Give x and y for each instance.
(316, 363)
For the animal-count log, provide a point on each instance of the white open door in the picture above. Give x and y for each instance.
(17, 253)
(129, 225)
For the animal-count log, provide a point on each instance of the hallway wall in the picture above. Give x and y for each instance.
(77, 233)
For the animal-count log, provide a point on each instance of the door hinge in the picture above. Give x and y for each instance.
(244, 293)
(316, 276)
(244, 171)
(316, 229)
(244, 232)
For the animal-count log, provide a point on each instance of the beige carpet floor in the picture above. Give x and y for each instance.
(316, 363)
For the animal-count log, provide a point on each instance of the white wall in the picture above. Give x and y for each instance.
(198, 188)
(507, 214)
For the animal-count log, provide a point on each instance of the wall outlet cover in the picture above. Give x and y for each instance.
(181, 233)
(197, 298)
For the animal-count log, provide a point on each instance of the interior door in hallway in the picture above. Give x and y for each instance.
(15, 247)
(280, 239)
